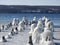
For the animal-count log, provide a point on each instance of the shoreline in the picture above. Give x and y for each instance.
(22, 37)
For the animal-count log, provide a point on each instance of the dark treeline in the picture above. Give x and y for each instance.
(29, 9)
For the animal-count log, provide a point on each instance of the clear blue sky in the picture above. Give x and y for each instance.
(30, 2)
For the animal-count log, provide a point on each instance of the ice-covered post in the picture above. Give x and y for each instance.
(45, 37)
(25, 20)
(14, 21)
(2, 27)
(32, 28)
(37, 31)
(4, 39)
(30, 40)
(34, 20)
(21, 26)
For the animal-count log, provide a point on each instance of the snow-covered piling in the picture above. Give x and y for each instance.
(37, 31)
(15, 21)
(34, 20)
(4, 39)
(12, 32)
(30, 41)
(2, 27)
(32, 28)
(24, 19)
(21, 26)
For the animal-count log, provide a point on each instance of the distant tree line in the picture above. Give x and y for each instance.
(29, 9)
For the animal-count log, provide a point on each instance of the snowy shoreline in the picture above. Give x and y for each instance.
(22, 37)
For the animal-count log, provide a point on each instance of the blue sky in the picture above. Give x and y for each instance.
(30, 2)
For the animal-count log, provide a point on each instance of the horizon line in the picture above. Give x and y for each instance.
(30, 5)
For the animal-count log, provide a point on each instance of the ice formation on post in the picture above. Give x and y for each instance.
(32, 28)
(34, 20)
(46, 37)
(21, 26)
(25, 20)
(37, 31)
(4, 39)
(15, 21)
